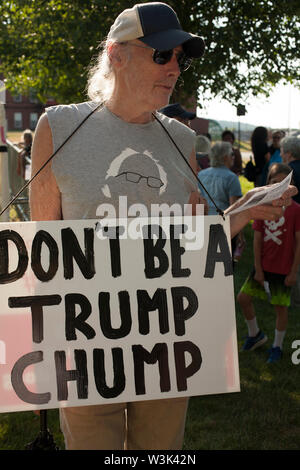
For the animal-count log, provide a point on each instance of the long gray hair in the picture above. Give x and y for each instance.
(101, 78)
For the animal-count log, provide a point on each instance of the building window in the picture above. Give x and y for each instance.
(18, 121)
(32, 97)
(17, 98)
(33, 120)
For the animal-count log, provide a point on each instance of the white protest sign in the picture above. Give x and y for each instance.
(86, 319)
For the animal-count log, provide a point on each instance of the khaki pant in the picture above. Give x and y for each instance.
(144, 425)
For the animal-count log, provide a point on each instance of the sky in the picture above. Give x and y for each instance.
(280, 110)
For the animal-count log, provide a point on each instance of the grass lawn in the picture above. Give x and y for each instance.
(264, 415)
(14, 136)
(244, 145)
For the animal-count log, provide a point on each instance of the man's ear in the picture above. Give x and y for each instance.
(115, 54)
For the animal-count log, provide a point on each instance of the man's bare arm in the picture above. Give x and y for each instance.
(45, 200)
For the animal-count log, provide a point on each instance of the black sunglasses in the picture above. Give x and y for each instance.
(163, 57)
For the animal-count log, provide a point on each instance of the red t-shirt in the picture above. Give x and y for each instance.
(278, 245)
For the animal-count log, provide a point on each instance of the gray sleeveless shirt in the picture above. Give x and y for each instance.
(108, 158)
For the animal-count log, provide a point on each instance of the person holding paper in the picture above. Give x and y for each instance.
(260, 149)
(123, 144)
(276, 260)
(237, 165)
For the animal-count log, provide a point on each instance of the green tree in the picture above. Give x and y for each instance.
(251, 46)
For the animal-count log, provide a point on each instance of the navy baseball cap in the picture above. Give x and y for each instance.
(176, 110)
(155, 24)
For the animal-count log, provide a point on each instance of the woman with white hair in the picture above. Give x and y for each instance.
(221, 183)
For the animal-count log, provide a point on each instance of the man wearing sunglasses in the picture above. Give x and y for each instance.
(135, 75)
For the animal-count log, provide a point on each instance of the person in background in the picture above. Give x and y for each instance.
(260, 150)
(273, 156)
(24, 157)
(276, 248)
(237, 166)
(177, 112)
(203, 148)
(290, 151)
(238, 243)
(222, 184)
(274, 149)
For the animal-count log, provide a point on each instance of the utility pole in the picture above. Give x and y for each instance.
(240, 111)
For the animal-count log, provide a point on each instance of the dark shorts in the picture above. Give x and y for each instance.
(279, 293)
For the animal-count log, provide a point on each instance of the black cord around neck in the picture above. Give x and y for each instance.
(186, 161)
(71, 135)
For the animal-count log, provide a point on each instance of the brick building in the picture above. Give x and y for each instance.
(22, 112)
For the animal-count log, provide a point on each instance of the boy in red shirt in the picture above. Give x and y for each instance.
(276, 260)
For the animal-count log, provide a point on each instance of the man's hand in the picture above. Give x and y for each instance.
(264, 209)
(275, 210)
(286, 198)
(263, 212)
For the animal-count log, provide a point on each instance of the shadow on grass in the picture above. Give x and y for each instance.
(19, 429)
